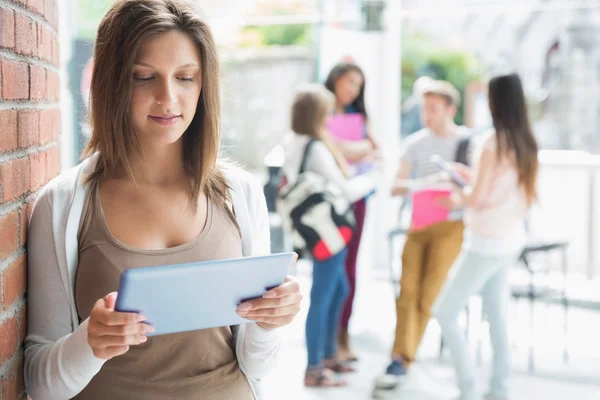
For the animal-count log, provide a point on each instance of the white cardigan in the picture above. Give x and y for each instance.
(59, 362)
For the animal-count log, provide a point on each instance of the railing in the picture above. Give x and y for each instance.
(568, 190)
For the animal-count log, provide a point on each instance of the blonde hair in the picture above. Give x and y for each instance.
(121, 34)
(310, 109)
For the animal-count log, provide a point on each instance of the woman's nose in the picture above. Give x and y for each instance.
(166, 94)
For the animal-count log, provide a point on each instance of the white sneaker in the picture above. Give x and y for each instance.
(386, 385)
(494, 397)
(470, 397)
(388, 381)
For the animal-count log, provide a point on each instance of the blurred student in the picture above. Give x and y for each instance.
(503, 186)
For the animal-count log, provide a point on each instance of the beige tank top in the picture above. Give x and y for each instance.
(188, 365)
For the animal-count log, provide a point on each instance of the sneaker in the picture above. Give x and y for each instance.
(495, 397)
(394, 374)
(470, 397)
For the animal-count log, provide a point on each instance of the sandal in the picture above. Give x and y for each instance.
(322, 378)
(338, 367)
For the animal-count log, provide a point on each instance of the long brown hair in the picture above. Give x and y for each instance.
(513, 131)
(340, 70)
(122, 32)
(310, 109)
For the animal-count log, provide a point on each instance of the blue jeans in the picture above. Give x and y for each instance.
(489, 276)
(327, 296)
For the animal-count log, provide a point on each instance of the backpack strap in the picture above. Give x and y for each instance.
(462, 151)
(305, 155)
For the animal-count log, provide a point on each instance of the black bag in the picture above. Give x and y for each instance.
(462, 151)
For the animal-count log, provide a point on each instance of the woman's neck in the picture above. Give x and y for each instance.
(159, 165)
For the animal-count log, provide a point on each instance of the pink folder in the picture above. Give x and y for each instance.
(347, 126)
(425, 210)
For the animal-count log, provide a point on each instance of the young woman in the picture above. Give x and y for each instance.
(347, 82)
(312, 105)
(503, 187)
(154, 195)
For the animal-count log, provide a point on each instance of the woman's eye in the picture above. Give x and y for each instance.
(186, 79)
(143, 79)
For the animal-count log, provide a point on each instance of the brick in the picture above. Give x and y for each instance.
(37, 90)
(7, 28)
(37, 170)
(51, 13)
(24, 215)
(25, 35)
(9, 387)
(53, 86)
(44, 43)
(12, 383)
(9, 336)
(52, 162)
(14, 178)
(22, 323)
(28, 128)
(56, 124)
(15, 80)
(55, 51)
(37, 6)
(8, 130)
(46, 127)
(49, 125)
(15, 281)
(8, 234)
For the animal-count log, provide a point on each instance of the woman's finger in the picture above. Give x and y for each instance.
(104, 342)
(290, 286)
(99, 329)
(114, 318)
(273, 312)
(111, 352)
(258, 304)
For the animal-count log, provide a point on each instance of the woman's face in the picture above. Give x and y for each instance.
(348, 86)
(167, 81)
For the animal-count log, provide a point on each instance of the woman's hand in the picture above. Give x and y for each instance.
(111, 333)
(451, 202)
(464, 171)
(278, 307)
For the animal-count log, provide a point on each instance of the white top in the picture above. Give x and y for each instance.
(418, 148)
(321, 162)
(498, 226)
(59, 362)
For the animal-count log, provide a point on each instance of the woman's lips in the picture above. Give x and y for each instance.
(165, 120)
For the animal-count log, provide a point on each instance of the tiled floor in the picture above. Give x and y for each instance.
(432, 378)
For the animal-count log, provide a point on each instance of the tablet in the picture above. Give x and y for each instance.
(444, 166)
(199, 295)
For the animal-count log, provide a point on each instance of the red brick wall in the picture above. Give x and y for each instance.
(29, 157)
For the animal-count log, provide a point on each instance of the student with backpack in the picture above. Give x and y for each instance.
(502, 188)
(315, 200)
(429, 252)
(346, 81)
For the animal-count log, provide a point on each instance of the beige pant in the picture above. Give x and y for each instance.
(427, 257)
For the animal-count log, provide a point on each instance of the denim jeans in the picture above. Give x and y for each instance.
(488, 275)
(327, 295)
